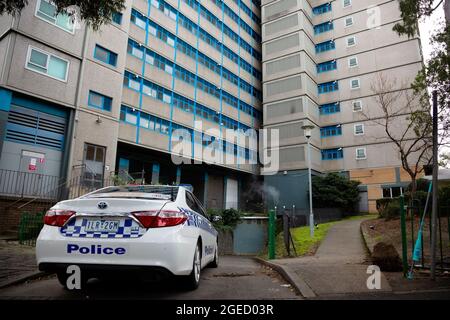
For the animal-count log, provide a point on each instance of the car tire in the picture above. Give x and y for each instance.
(215, 262)
(192, 281)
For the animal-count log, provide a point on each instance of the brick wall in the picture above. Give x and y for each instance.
(10, 212)
(376, 177)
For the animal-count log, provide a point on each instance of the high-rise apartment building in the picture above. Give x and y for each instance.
(109, 101)
(321, 60)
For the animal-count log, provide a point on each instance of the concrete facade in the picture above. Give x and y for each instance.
(307, 44)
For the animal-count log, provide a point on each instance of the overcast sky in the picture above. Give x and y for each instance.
(428, 26)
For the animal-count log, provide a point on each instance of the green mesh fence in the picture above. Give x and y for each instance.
(29, 227)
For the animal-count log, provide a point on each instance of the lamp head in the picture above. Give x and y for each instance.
(308, 130)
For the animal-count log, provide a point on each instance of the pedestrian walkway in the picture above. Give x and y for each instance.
(18, 262)
(338, 267)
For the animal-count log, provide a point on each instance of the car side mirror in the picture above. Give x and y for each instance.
(215, 218)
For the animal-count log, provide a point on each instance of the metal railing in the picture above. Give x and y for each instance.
(16, 184)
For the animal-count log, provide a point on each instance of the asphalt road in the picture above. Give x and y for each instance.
(236, 278)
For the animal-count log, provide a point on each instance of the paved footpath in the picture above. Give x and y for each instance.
(339, 266)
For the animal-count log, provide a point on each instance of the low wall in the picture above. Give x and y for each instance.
(248, 238)
(10, 212)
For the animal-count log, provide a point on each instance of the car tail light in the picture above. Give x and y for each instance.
(158, 219)
(57, 217)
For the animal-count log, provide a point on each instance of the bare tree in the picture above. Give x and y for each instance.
(406, 123)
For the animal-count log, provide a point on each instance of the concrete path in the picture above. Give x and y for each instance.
(338, 267)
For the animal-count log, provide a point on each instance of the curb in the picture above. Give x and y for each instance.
(298, 283)
(23, 278)
(366, 244)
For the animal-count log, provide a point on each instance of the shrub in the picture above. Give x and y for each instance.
(382, 204)
(388, 208)
(335, 191)
(229, 218)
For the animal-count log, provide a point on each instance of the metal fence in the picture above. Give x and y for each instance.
(29, 227)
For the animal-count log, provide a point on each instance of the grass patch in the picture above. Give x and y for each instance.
(304, 245)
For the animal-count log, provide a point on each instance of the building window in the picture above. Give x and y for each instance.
(361, 154)
(47, 63)
(323, 27)
(105, 55)
(357, 106)
(326, 66)
(392, 192)
(346, 3)
(330, 131)
(359, 129)
(324, 8)
(117, 18)
(45, 10)
(354, 84)
(348, 22)
(328, 87)
(325, 46)
(352, 62)
(332, 154)
(330, 108)
(99, 101)
(351, 41)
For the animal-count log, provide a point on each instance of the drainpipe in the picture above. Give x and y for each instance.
(72, 132)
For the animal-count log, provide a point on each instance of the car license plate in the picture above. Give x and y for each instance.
(109, 226)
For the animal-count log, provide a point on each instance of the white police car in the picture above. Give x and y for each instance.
(157, 230)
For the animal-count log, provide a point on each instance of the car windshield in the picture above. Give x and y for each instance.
(147, 192)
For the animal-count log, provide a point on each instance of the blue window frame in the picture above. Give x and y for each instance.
(323, 27)
(99, 101)
(117, 18)
(330, 108)
(227, 30)
(328, 87)
(105, 55)
(325, 46)
(187, 49)
(147, 121)
(332, 154)
(327, 66)
(330, 131)
(183, 74)
(323, 8)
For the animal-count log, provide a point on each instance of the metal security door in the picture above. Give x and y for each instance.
(94, 161)
(31, 173)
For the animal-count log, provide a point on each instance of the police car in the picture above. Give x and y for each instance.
(155, 230)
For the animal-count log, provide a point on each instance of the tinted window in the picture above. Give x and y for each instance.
(194, 204)
(191, 202)
(199, 206)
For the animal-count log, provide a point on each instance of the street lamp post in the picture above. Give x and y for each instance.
(308, 133)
